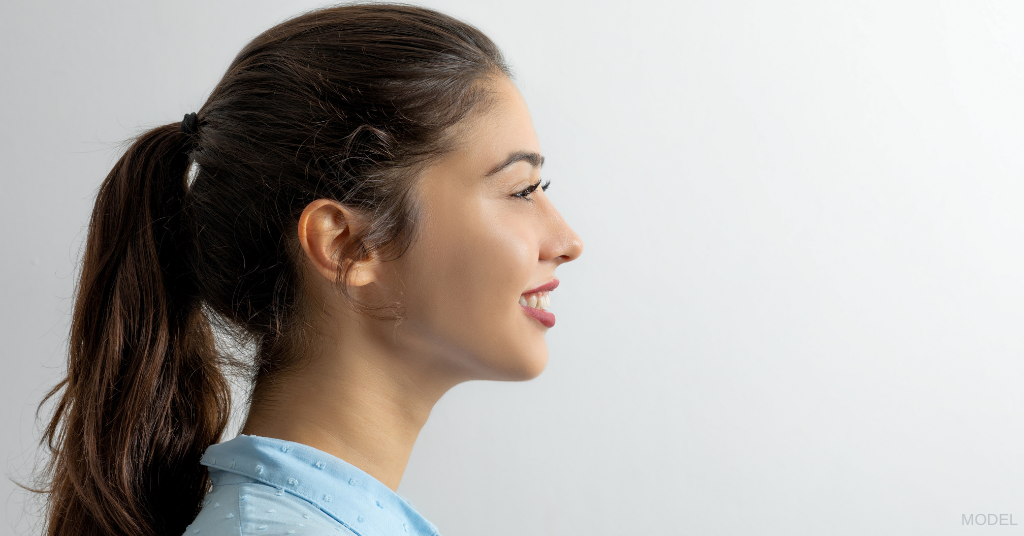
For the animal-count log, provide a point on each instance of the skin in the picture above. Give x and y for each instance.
(366, 391)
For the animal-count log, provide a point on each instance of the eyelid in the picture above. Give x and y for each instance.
(525, 192)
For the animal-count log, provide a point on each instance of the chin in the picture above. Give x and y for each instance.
(524, 367)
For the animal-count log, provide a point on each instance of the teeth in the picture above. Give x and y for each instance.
(537, 300)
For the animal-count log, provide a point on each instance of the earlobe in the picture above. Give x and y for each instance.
(324, 229)
(361, 273)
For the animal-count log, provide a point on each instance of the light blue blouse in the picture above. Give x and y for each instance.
(264, 486)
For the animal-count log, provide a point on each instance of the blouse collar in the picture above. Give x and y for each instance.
(346, 493)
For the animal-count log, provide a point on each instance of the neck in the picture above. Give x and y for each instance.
(359, 402)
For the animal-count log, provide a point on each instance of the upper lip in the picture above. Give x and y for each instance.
(550, 285)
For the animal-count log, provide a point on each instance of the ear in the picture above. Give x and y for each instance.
(325, 226)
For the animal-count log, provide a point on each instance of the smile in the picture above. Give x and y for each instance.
(537, 300)
(536, 303)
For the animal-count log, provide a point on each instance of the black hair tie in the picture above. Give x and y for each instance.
(190, 125)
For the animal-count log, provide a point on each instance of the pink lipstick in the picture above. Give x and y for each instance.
(550, 285)
(536, 302)
(544, 317)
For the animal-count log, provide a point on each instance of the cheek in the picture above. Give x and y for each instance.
(466, 272)
(480, 261)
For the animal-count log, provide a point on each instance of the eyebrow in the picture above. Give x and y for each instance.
(535, 160)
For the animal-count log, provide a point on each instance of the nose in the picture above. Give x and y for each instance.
(560, 243)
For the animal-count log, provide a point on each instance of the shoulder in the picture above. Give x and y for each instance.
(256, 509)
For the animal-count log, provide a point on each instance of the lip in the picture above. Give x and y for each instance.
(544, 317)
(550, 285)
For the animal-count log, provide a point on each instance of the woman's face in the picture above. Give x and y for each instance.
(484, 240)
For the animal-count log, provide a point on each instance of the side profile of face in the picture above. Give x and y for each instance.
(487, 235)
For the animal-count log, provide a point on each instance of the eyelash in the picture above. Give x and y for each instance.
(525, 193)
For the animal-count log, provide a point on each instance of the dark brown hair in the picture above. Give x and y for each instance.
(346, 103)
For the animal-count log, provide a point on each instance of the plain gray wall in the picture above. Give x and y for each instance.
(799, 308)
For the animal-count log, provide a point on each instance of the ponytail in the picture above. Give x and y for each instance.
(144, 395)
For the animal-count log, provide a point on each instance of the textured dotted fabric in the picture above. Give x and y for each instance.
(264, 486)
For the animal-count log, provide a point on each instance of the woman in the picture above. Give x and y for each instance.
(359, 202)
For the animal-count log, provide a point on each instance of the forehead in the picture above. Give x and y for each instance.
(489, 137)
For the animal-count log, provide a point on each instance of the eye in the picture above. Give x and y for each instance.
(525, 192)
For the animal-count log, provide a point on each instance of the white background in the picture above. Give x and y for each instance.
(800, 304)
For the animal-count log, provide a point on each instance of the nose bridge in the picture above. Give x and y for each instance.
(559, 241)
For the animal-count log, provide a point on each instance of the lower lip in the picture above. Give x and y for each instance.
(544, 317)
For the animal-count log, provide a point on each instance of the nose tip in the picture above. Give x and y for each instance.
(573, 247)
(567, 246)
(562, 244)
